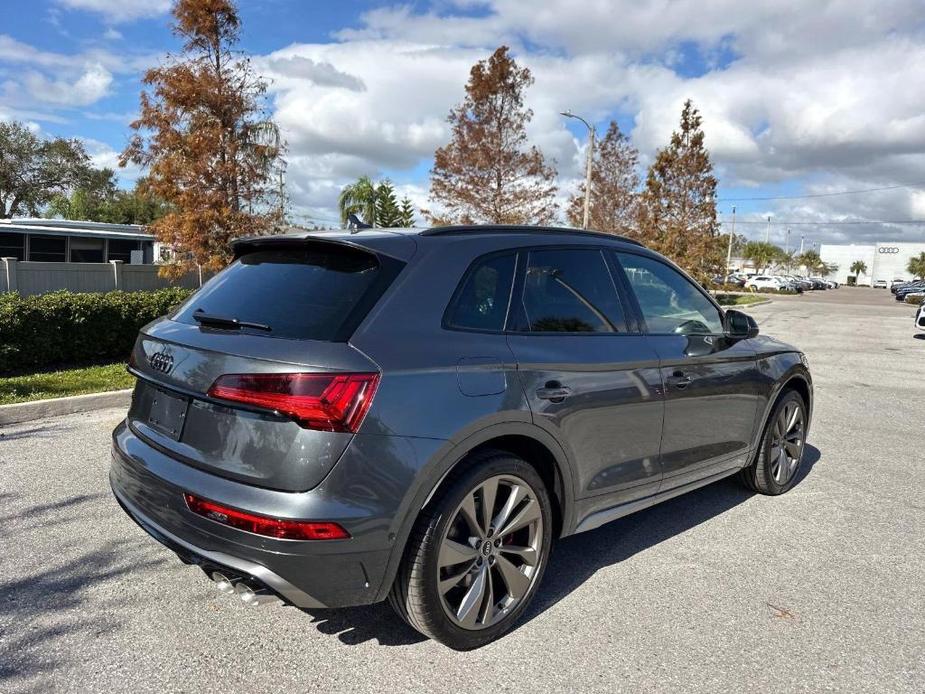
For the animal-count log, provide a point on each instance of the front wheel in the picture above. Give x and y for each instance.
(477, 553)
(780, 452)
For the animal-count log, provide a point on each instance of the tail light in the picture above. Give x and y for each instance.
(327, 402)
(264, 525)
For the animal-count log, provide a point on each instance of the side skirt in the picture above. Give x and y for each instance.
(599, 518)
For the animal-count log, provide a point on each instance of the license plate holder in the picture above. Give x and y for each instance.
(167, 413)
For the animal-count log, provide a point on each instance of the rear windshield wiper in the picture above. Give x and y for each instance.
(210, 319)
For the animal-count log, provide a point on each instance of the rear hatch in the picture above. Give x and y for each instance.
(253, 378)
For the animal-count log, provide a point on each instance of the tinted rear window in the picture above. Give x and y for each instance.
(301, 293)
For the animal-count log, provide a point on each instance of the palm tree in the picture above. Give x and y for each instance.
(812, 262)
(761, 254)
(917, 265)
(858, 267)
(359, 198)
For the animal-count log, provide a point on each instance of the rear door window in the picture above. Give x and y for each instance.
(570, 291)
(307, 293)
(481, 302)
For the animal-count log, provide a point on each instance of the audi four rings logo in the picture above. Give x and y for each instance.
(161, 361)
(888, 249)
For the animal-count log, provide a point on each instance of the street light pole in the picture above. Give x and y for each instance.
(731, 236)
(588, 165)
(767, 233)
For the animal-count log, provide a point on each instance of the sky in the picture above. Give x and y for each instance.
(802, 100)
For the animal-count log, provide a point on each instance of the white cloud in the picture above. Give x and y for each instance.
(120, 10)
(103, 155)
(92, 85)
(790, 90)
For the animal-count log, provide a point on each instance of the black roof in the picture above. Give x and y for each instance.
(521, 229)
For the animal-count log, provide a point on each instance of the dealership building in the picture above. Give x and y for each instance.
(885, 260)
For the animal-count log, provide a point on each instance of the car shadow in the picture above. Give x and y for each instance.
(579, 557)
(574, 560)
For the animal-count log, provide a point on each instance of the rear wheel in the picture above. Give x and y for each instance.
(780, 454)
(477, 553)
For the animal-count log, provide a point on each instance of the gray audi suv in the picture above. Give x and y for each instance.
(340, 418)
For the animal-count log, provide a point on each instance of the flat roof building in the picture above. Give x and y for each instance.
(68, 241)
(885, 260)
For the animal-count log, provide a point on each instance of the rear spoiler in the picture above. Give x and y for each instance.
(392, 245)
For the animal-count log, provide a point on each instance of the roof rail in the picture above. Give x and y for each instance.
(520, 229)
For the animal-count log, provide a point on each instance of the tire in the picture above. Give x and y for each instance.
(485, 593)
(766, 475)
(754, 288)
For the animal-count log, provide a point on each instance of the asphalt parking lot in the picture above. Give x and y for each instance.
(721, 590)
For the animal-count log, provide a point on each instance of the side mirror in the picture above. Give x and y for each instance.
(740, 326)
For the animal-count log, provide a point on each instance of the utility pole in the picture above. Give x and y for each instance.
(802, 238)
(767, 233)
(731, 235)
(787, 245)
(588, 165)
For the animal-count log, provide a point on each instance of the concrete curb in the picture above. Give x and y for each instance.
(757, 303)
(39, 409)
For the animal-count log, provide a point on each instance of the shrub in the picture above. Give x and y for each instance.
(915, 300)
(64, 328)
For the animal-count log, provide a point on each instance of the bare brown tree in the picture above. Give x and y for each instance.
(677, 215)
(211, 152)
(488, 173)
(614, 186)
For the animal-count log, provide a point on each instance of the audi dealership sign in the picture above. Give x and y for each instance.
(888, 250)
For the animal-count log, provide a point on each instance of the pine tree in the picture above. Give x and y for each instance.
(488, 173)
(388, 213)
(677, 214)
(407, 213)
(614, 186)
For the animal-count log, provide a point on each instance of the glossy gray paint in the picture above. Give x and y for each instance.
(622, 440)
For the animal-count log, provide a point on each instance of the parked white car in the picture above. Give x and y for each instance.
(766, 282)
(880, 284)
(920, 317)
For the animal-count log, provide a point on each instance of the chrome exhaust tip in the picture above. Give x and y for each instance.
(254, 598)
(223, 583)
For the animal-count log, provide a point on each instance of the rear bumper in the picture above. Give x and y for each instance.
(218, 561)
(149, 486)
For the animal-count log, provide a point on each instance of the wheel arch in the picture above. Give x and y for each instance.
(526, 441)
(797, 379)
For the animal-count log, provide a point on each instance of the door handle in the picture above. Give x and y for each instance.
(679, 380)
(553, 391)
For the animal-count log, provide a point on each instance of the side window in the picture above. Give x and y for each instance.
(670, 303)
(570, 291)
(480, 302)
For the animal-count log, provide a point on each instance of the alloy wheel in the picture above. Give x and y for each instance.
(787, 438)
(490, 553)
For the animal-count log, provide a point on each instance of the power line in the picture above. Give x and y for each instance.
(789, 222)
(822, 195)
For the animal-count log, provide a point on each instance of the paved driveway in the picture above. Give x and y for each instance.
(720, 590)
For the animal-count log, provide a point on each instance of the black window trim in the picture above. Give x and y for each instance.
(476, 263)
(518, 288)
(637, 309)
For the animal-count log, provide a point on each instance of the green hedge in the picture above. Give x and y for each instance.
(63, 328)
